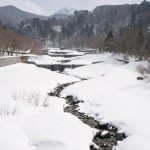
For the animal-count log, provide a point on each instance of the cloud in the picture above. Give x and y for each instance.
(25, 5)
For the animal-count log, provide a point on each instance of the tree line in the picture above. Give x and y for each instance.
(119, 29)
(11, 42)
(133, 39)
(131, 42)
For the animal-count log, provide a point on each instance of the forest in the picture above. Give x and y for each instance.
(118, 29)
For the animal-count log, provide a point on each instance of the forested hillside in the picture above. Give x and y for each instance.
(117, 28)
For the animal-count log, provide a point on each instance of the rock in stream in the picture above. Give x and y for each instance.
(107, 135)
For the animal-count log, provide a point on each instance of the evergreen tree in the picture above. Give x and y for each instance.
(86, 29)
(144, 6)
(90, 31)
(70, 29)
(109, 36)
(64, 31)
(80, 19)
(133, 15)
(82, 31)
(36, 23)
(140, 44)
(109, 43)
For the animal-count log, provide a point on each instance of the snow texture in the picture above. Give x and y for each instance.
(25, 126)
(114, 95)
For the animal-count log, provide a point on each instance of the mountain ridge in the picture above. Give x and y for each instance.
(12, 16)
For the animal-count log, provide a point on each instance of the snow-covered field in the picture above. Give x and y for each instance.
(113, 94)
(29, 120)
(25, 126)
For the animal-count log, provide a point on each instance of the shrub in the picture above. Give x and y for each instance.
(144, 69)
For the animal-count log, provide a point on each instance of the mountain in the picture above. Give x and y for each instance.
(66, 11)
(63, 13)
(59, 16)
(86, 28)
(12, 16)
(112, 17)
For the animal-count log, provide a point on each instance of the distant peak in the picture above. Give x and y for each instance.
(66, 11)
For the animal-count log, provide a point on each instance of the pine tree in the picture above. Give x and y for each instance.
(90, 31)
(109, 43)
(70, 29)
(140, 44)
(64, 31)
(133, 15)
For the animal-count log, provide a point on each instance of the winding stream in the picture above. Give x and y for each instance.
(107, 136)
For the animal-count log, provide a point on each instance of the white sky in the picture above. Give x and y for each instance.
(48, 7)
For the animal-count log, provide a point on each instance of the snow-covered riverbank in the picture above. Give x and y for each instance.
(114, 95)
(29, 120)
(25, 126)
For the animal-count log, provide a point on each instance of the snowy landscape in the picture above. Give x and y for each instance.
(74, 75)
(32, 120)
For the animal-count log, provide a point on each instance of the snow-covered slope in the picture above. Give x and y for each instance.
(66, 11)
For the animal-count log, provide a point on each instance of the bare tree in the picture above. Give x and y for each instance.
(11, 42)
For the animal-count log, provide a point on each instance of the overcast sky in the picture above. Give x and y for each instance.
(48, 7)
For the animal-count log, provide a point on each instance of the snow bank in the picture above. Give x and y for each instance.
(90, 58)
(114, 95)
(34, 127)
(46, 59)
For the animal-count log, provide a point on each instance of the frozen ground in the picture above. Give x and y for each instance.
(113, 94)
(25, 126)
